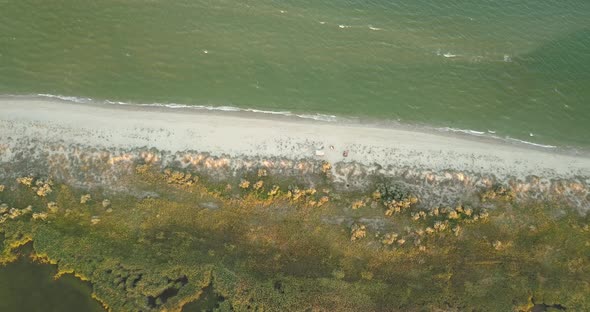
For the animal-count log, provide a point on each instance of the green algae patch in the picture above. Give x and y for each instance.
(272, 246)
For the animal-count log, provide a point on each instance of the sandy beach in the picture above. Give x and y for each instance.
(174, 130)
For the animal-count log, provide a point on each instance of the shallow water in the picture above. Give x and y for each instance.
(512, 69)
(207, 301)
(26, 286)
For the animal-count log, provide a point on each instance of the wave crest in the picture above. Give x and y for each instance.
(318, 117)
(83, 100)
(490, 134)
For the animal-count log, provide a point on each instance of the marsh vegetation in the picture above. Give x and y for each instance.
(263, 242)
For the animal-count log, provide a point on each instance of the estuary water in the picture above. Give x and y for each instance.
(516, 69)
(31, 287)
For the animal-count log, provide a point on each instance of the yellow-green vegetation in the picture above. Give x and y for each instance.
(498, 192)
(274, 247)
(85, 198)
(28, 181)
(42, 187)
(258, 185)
(357, 232)
(244, 184)
(358, 204)
(262, 173)
(177, 177)
(326, 167)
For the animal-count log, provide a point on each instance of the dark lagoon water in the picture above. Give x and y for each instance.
(518, 69)
(27, 286)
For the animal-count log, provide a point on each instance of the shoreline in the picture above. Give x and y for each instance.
(488, 136)
(241, 134)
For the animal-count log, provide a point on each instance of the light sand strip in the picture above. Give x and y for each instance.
(225, 133)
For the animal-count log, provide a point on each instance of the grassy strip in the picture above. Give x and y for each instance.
(275, 247)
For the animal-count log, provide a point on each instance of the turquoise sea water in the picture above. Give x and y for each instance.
(505, 68)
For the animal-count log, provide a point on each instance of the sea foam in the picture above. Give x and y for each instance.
(318, 117)
(83, 100)
(67, 98)
(490, 134)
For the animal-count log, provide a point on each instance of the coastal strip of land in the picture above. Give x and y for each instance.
(113, 126)
(164, 208)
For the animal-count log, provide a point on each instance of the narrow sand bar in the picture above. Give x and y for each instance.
(132, 126)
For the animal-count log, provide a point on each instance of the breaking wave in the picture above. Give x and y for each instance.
(466, 131)
(490, 134)
(82, 100)
(67, 98)
(530, 143)
(319, 117)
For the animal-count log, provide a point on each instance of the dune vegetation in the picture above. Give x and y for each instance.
(261, 242)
